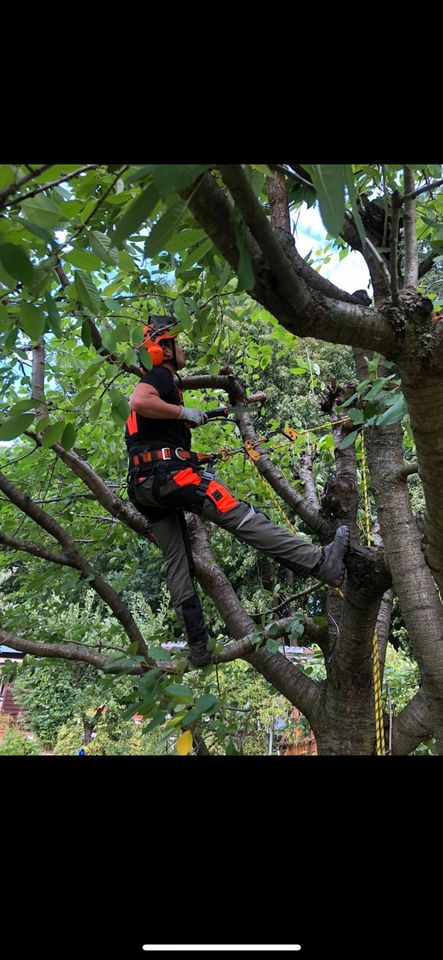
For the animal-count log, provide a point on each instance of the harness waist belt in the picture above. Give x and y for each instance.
(167, 453)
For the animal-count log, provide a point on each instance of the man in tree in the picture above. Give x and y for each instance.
(166, 478)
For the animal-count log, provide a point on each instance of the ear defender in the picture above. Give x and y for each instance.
(155, 351)
(159, 329)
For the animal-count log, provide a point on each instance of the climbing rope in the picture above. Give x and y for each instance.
(272, 496)
(379, 728)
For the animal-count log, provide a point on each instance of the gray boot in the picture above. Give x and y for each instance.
(331, 568)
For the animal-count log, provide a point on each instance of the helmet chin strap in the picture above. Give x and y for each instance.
(174, 356)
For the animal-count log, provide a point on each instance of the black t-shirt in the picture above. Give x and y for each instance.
(150, 434)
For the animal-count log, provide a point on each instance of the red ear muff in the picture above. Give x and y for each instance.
(155, 352)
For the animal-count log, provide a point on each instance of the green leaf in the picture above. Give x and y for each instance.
(262, 168)
(108, 341)
(231, 749)
(138, 173)
(86, 333)
(32, 320)
(70, 208)
(170, 178)
(164, 228)
(68, 436)
(95, 410)
(37, 231)
(185, 239)
(158, 653)
(136, 214)
(87, 209)
(196, 256)
(145, 359)
(83, 259)
(7, 175)
(121, 333)
(348, 441)
(124, 663)
(202, 706)
(42, 211)
(15, 426)
(21, 407)
(126, 262)
(180, 692)
(87, 293)
(9, 343)
(354, 205)
(41, 279)
(16, 262)
(329, 182)
(131, 356)
(4, 318)
(54, 316)
(245, 272)
(53, 434)
(181, 311)
(83, 396)
(102, 246)
(395, 413)
(356, 416)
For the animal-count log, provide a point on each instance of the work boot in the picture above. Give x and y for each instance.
(331, 568)
(199, 654)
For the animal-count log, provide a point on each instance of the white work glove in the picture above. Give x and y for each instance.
(195, 418)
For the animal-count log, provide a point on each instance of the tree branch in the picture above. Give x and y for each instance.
(38, 377)
(407, 470)
(15, 187)
(417, 193)
(53, 183)
(426, 265)
(291, 289)
(316, 315)
(394, 248)
(15, 543)
(305, 471)
(63, 651)
(95, 208)
(411, 248)
(104, 590)
(412, 725)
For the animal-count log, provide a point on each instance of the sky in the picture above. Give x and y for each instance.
(349, 274)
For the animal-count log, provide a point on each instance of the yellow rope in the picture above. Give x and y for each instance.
(271, 494)
(379, 728)
(288, 431)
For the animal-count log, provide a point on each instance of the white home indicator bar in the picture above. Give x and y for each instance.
(200, 947)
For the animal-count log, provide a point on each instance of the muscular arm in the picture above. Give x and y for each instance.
(146, 401)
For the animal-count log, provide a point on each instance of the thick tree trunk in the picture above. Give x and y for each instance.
(419, 601)
(422, 384)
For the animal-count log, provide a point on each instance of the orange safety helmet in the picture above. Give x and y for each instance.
(157, 329)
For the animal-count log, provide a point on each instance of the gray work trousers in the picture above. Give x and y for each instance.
(175, 493)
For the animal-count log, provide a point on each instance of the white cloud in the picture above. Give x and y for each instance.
(349, 274)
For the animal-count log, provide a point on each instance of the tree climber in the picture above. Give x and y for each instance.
(165, 479)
